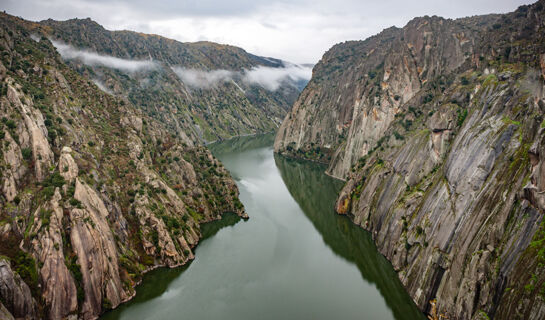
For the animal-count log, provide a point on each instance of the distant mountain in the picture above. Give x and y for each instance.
(204, 91)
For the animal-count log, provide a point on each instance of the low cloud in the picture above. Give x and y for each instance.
(35, 37)
(203, 79)
(271, 78)
(93, 59)
(102, 86)
(266, 77)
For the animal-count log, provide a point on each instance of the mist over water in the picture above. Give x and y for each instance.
(294, 259)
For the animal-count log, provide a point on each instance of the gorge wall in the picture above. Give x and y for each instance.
(438, 129)
(94, 192)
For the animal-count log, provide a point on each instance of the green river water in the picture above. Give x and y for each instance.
(293, 259)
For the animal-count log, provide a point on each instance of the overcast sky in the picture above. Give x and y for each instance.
(295, 30)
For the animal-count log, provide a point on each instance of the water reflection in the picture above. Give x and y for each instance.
(315, 193)
(293, 259)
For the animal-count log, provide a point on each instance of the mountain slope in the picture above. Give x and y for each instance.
(438, 129)
(359, 86)
(203, 90)
(93, 191)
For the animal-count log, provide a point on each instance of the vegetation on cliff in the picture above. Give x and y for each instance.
(94, 192)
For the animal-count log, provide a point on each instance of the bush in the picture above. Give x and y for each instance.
(462, 116)
(407, 124)
(27, 153)
(51, 134)
(11, 124)
(48, 192)
(398, 136)
(25, 266)
(75, 202)
(74, 267)
(428, 98)
(54, 180)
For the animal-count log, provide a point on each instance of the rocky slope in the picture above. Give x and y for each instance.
(203, 90)
(438, 129)
(93, 192)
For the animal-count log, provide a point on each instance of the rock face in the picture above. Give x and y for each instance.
(359, 87)
(94, 192)
(15, 294)
(438, 129)
(94, 244)
(59, 289)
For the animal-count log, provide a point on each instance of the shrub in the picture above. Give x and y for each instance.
(27, 153)
(407, 124)
(398, 136)
(74, 267)
(75, 202)
(51, 134)
(428, 98)
(11, 124)
(55, 180)
(25, 266)
(462, 116)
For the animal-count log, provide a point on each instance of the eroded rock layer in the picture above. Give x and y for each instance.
(438, 129)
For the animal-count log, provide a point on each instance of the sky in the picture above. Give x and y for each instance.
(298, 31)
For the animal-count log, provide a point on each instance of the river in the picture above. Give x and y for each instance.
(293, 259)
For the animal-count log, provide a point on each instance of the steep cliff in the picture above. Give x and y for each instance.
(359, 87)
(94, 192)
(442, 154)
(203, 90)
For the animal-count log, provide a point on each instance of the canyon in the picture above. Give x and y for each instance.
(120, 151)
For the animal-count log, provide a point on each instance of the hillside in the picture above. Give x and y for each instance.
(94, 192)
(438, 130)
(205, 91)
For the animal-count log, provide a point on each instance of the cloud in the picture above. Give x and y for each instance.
(102, 86)
(271, 78)
(202, 79)
(92, 59)
(266, 77)
(35, 37)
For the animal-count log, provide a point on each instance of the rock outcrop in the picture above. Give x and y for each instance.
(59, 288)
(438, 130)
(359, 87)
(15, 294)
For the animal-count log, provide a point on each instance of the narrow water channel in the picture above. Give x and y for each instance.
(293, 259)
